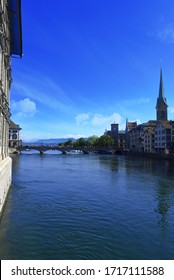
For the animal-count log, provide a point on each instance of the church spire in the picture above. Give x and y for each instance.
(161, 88)
(161, 106)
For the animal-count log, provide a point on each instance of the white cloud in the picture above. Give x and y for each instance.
(49, 93)
(24, 107)
(97, 120)
(81, 119)
(75, 136)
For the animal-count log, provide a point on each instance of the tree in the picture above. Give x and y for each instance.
(91, 141)
(69, 143)
(105, 141)
(76, 143)
(60, 144)
(82, 142)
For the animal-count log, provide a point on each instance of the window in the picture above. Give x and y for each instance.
(14, 136)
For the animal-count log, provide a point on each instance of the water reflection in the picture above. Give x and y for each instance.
(155, 174)
(110, 207)
(164, 200)
(110, 162)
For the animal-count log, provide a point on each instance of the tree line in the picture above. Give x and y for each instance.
(92, 141)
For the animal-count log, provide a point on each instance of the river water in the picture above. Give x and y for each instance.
(88, 207)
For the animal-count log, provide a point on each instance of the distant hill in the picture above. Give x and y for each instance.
(51, 141)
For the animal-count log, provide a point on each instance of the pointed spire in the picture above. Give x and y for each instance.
(161, 105)
(161, 88)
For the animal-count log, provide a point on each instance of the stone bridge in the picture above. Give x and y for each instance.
(65, 150)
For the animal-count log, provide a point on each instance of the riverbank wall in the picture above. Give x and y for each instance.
(13, 151)
(150, 155)
(5, 180)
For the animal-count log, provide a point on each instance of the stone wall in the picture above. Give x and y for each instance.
(5, 180)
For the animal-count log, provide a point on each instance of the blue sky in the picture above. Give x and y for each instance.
(88, 63)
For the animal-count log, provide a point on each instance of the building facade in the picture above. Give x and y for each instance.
(136, 139)
(149, 139)
(129, 127)
(14, 136)
(156, 135)
(163, 136)
(10, 45)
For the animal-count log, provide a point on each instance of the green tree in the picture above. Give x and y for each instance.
(91, 141)
(105, 141)
(69, 143)
(82, 142)
(61, 144)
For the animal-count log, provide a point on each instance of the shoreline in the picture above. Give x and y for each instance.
(150, 155)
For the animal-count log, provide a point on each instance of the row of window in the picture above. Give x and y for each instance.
(13, 136)
(160, 131)
(160, 138)
(160, 144)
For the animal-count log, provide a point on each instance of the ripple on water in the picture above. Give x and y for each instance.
(88, 207)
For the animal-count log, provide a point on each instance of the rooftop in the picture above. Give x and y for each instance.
(13, 125)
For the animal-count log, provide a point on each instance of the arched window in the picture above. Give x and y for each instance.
(14, 136)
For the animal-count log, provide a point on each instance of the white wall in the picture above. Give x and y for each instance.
(5, 180)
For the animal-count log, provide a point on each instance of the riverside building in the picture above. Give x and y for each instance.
(10, 46)
(156, 136)
(14, 136)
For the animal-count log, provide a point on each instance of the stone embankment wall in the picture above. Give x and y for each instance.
(151, 155)
(13, 151)
(5, 180)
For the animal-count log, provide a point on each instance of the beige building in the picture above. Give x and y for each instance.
(10, 45)
(142, 137)
(14, 136)
(163, 136)
(149, 138)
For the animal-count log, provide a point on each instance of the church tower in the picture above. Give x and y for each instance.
(161, 105)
